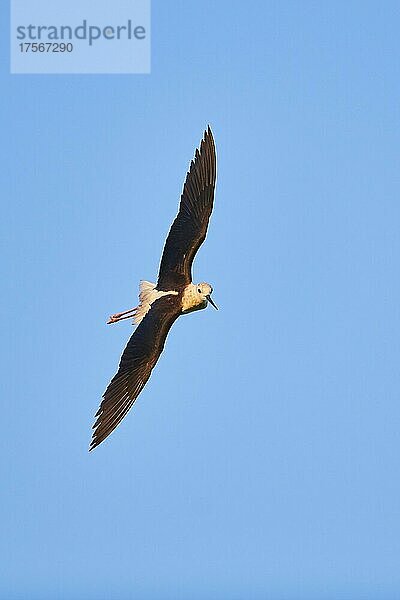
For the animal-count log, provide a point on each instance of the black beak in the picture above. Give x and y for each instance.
(211, 301)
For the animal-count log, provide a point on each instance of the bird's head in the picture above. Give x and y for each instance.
(204, 290)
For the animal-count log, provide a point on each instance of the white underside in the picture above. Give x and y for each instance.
(147, 295)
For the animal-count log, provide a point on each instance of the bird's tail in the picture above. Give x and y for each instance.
(147, 295)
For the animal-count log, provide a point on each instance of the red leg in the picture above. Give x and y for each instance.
(126, 314)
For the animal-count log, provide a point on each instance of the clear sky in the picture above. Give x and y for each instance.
(262, 459)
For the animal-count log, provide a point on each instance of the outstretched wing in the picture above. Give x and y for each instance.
(137, 362)
(189, 229)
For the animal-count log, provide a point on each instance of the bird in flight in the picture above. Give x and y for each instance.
(162, 303)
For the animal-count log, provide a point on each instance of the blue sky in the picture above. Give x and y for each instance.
(262, 459)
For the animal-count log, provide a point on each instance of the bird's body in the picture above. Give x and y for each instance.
(147, 295)
(162, 303)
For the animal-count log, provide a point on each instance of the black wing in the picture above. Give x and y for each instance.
(189, 229)
(137, 362)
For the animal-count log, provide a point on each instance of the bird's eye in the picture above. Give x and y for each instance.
(199, 290)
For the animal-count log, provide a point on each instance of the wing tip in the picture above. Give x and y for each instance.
(206, 153)
(208, 135)
(92, 445)
(97, 439)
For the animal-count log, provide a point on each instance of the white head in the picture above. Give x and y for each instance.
(204, 291)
